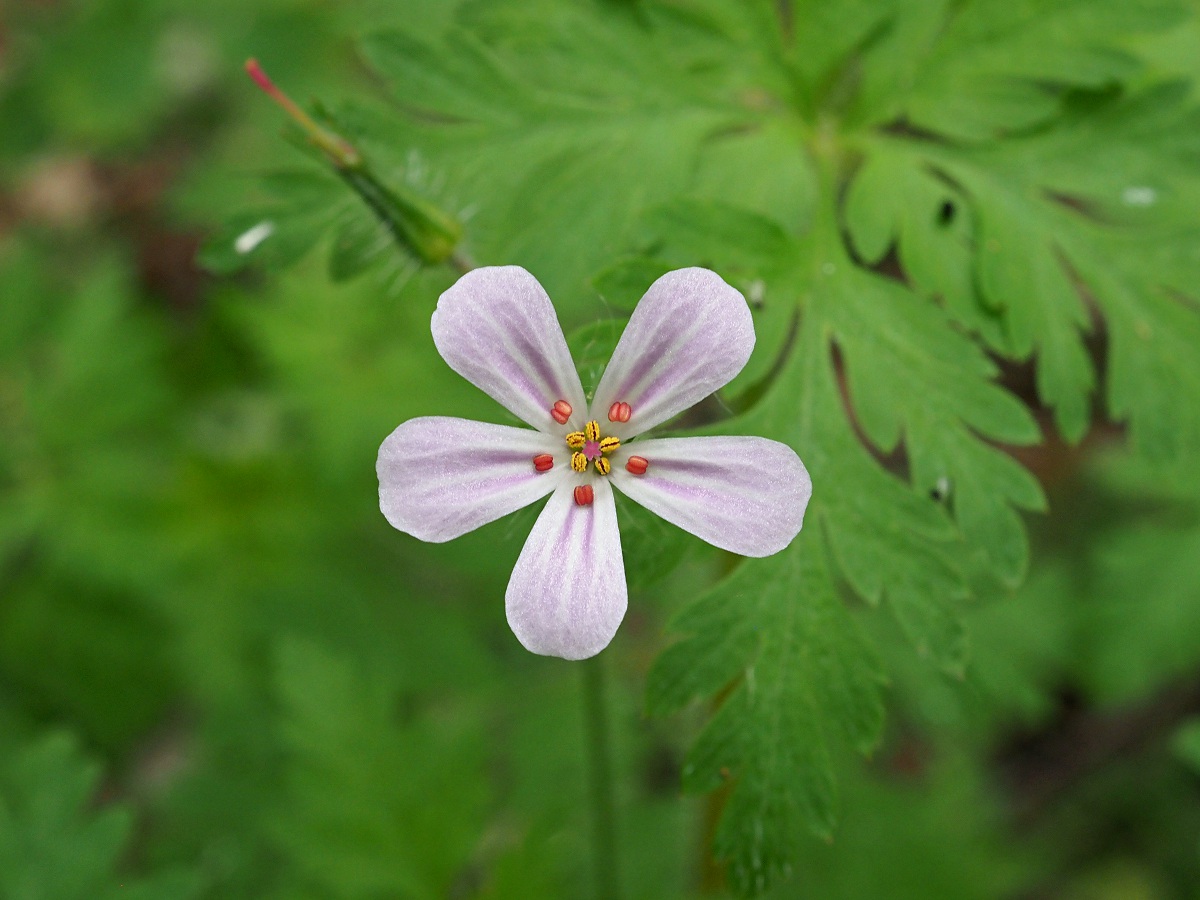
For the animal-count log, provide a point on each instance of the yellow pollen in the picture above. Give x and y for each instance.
(609, 444)
(575, 440)
(579, 462)
(603, 466)
(592, 430)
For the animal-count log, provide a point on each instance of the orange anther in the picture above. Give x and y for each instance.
(619, 412)
(637, 465)
(561, 411)
(584, 495)
(543, 462)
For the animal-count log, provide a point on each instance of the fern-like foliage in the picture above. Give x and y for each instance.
(54, 845)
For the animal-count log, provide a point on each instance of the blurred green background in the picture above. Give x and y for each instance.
(222, 675)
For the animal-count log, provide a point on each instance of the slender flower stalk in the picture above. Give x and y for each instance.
(598, 747)
(441, 477)
(339, 150)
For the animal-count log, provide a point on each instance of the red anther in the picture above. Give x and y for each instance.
(544, 462)
(584, 495)
(619, 412)
(561, 411)
(637, 465)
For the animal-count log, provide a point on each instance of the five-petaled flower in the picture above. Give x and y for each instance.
(441, 477)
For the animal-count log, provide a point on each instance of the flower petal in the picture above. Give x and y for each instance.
(688, 337)
(744, 494)
(497, 328)
(567, 593)
(441, 477)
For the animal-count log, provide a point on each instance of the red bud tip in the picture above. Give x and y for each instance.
(255, 71)
(340, 151)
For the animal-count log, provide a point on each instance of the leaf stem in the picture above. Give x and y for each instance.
(600, 776)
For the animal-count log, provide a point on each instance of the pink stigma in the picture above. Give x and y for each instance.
(591, 449)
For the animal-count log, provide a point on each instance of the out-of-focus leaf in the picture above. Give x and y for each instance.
(591, 348)
(303, 207)
(1187, 743)
(53, 845)
(358, 818)
(1141, 582)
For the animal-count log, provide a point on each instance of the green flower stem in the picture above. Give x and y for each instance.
(416, 224)
(600, 776)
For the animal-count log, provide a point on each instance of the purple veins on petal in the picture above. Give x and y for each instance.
(744, 494)
(441, 477)
(497, 328)
(689, 336)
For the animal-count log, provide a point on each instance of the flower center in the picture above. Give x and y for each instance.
(590, 446)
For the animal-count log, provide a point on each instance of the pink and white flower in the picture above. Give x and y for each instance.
(441, 477)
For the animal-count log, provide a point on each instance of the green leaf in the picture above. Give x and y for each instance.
(910, 377)
(910, 374)
(1085, 218)
(80, 425)
(918, 826)
(1187, 743)
(1000, 67)
(303, 206)
(54, 845)
(560, 120)
(806, 684)
(782, 622)
(357, 244)
(1142, 583)
(894, 201)
(651, 547)
(592, 347)
(358, 819)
